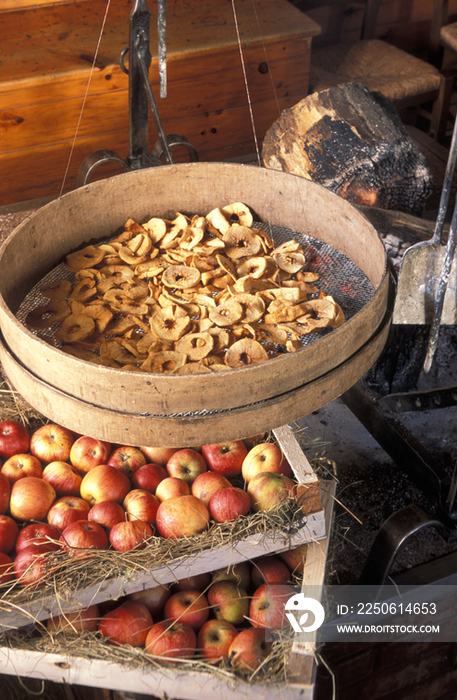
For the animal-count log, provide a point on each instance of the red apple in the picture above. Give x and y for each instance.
(189, 606)
(238, 573)
(265, 457)
(148, 477)
(87, 453)
(65, 479)
(51, 443)
(229, 602)
(20, 465)
(182, 517)
(130, 534)
(186, 464)
(295, 558)
(268, 489)
(14, 438)
(6, 569)
(74, 623)
(171, 640)
(198, 582)
(172, 487)
(208, 483)
(38, 533)
(229, 504)
(129, 623)
(107, 514)
(9, 532)
(141, 505)
(31, 498)
(214, 640)
(225, 457)
(153, 598)
(269, 570)
(249, 649)
(104, 483)
(5, 493)
(33, 564)
(267, 608)
(158, 455)
(127, 459)
(67, 510)
(80, 537)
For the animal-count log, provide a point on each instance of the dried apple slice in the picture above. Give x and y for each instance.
(254, 307)
(169, 323)
(195, 345)
(118, 273)
(226, 314)
(114, 349)
(156, 229)
(87, 257)
(42, 317)
(180, 276)
(221, 338)
(245, 352)
(240, 211)
(167, 361)
(84, 290)
(120, 326)
(191, 237)
(291, 262)
(56, 291)
(101, 315)
(240, 242)
(135, 288)
(75, 327)
(271, 332)
(130, 258)
(140, 245)
(293, 345)
(217, 219)
(227, 266)
(253, 267)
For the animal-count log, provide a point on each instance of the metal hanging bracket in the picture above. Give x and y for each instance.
(141, 100)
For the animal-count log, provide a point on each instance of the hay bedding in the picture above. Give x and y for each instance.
(90, 645)
(69, 574)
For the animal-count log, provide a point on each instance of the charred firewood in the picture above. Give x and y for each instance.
(353, 142)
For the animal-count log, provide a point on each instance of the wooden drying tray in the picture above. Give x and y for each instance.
(40, 607)
(170, 409)
(300, 665)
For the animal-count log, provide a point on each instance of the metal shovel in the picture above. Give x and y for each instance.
(427, 283)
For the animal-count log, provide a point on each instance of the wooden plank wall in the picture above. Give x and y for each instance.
(44, 74)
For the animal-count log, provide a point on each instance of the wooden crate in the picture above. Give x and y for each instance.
(46, 79)
(171, 681)
(13, 614)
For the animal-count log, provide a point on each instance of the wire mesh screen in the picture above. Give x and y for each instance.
(339, 277)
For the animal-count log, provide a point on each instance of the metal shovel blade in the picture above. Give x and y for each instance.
(427, 284)
(418, 284)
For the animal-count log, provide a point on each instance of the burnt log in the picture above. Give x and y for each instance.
(353, 142)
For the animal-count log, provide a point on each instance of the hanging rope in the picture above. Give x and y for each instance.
(94, 62)
(248, 94)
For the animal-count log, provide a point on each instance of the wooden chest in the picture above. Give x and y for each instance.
(55, 110)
